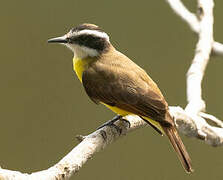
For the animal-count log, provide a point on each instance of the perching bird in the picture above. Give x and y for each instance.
(112, 79)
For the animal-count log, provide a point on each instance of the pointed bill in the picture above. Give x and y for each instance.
(62, 39)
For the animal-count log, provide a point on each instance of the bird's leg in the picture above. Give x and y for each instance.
(126, 121)
(111, 122)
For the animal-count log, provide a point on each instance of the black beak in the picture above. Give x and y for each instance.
(61, 39)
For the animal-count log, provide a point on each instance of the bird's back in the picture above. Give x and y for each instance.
(117, 81)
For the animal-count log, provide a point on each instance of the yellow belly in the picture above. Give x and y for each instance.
(124, 113)
(117, 110)
(80, 65)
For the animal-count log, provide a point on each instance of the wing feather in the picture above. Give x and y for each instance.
(126, 87)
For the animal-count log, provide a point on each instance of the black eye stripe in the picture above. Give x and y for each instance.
(90, 41)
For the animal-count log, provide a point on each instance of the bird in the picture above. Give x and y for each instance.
(112, 79)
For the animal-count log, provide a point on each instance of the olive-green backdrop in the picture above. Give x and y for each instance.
(43, 106)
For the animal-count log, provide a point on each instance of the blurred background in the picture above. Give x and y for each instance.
(43, 105)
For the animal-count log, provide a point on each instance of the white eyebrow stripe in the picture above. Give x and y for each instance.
(94, 32)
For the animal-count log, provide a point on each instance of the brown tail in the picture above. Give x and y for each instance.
(179, 147)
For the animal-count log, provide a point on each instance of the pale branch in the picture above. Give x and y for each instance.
(211, 118)
(203, 25)
(98, 140)
(192, 121)
(196, 126)
(84, 151)
(193, 21)
(196, 71)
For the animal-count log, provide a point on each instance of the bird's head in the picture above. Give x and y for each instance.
(85, 40)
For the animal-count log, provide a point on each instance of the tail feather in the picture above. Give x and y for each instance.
(179, 147)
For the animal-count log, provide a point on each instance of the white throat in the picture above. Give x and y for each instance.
(82, 52)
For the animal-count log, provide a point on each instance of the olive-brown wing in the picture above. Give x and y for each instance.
(126, 89)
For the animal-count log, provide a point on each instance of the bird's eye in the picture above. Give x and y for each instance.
(69, 40)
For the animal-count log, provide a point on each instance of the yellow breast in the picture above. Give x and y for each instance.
(80, 65)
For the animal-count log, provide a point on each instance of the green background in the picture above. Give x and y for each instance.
(43, 106)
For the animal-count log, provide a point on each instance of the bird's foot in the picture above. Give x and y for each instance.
(112, 121)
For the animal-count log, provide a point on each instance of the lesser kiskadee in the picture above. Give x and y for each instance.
(112, 79)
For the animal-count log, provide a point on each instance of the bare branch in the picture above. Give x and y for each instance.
(192, 121)
(218, 48)
(189, 17)
(84, 151)
(196, 126)
(203, 50)
(98, 140)
(193, 22)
